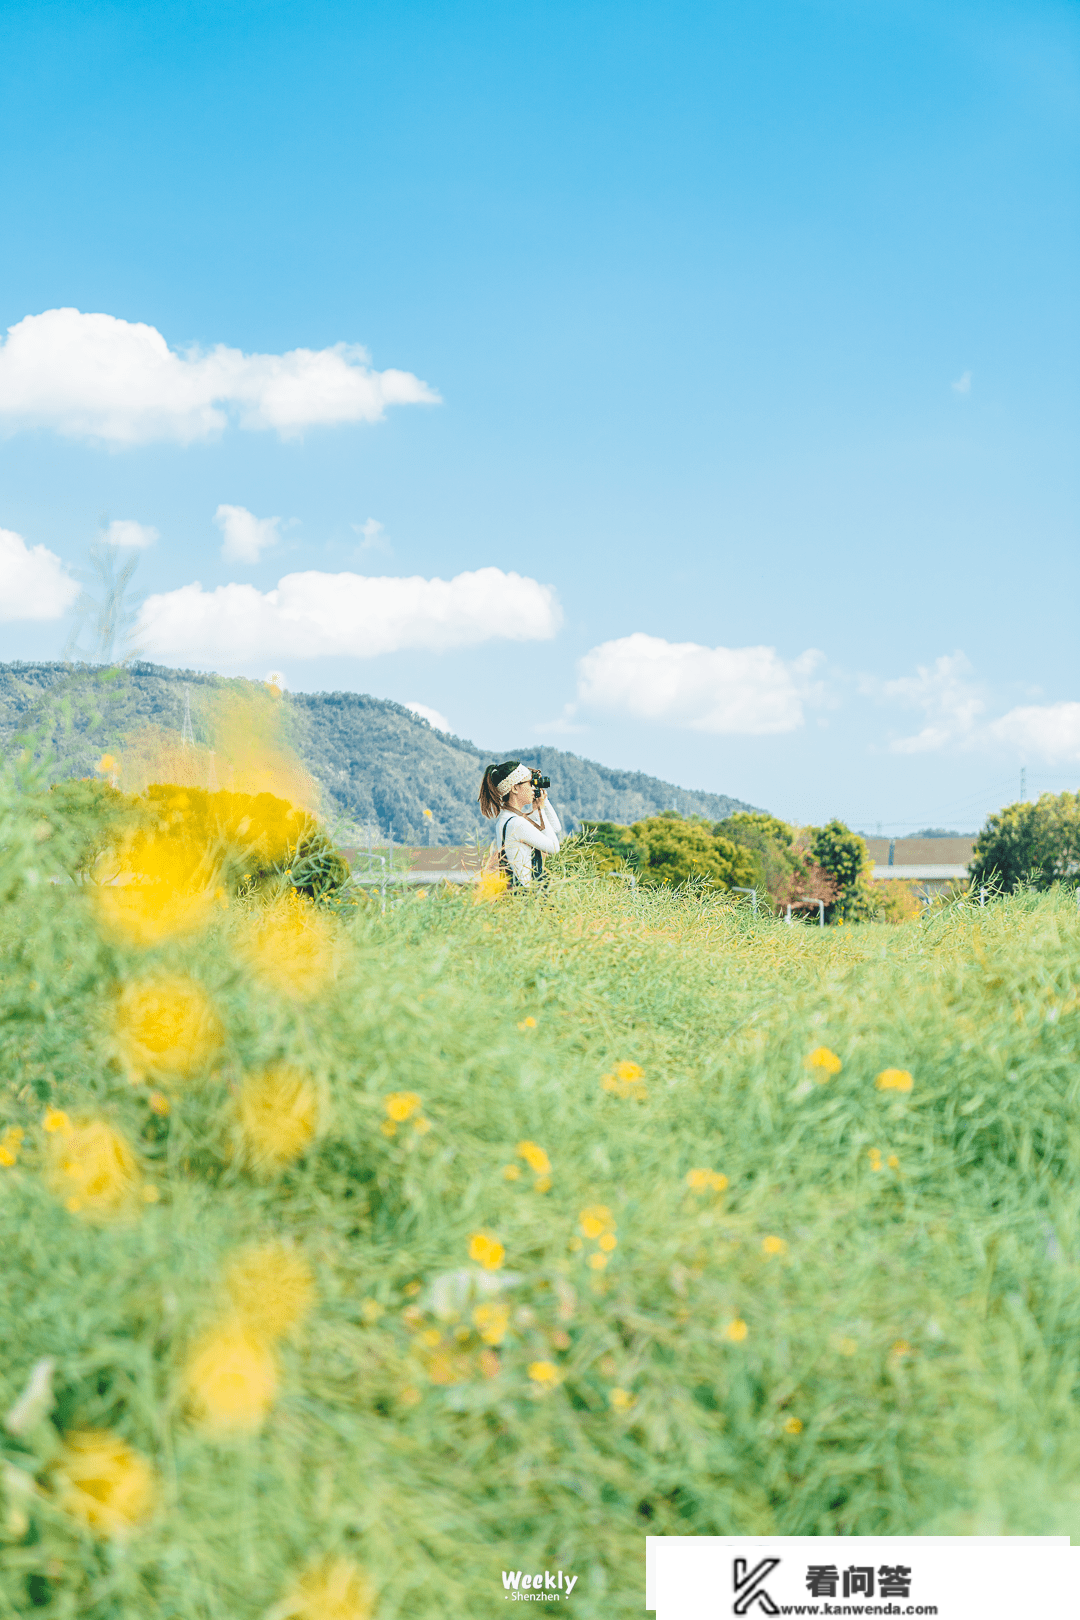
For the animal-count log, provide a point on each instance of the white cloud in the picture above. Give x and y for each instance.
(432, 716)
(962, 385)
(748, 691)
(125, 532)
(374, 537)
(98, 377)
(246, 536)
(1049, 731)
(949, 700)
(314, 614)
(33, 581)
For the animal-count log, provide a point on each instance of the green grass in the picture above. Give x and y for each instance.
(966, 1253)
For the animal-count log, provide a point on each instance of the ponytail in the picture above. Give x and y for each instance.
(489, 798)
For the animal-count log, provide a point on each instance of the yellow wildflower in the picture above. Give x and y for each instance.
(528, 1023)
(894, 1080)
(388, 1128)
(158, 1104)
(489, 1364)
(10, 1143)
(401, 1105)
(56, 1120)
(511, 1172)
(825, 1062)
(336, 1590)
(489, 887)
(271, 1288)
(167, 1028)
(93, 1168)
(544, 1373)
(607, 1241)
(429, 814)
(736, 1330)
(542, 1184)
(773, 1245)
(621, 1399)
(293, 947)
(793, 1425)
(486, 1250)
(598, 1261)
(628, 1080)
(893, 1162)
(231, 1380)
(847, 1347)
(596, 1218)
(103, 1483)
(874, 1155)
(277, 1115)
(162, 890)
(492, 1321)
(628, 1072)
(105, 764)
(421, 1125)
(901, 1348)
(534, 1157)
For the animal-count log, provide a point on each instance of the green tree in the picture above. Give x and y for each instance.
(1036, 842)
(672, 849)
(842, 856)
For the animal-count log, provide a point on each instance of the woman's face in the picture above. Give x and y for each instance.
(520, 797)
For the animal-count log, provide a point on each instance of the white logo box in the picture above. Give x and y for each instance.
(952, 1577)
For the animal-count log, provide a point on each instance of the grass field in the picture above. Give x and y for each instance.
(376, 1255)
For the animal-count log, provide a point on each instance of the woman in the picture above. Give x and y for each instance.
(526, 826)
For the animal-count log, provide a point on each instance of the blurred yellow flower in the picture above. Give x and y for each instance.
(293, 947)
(627, 1072)
(544, 1372)
(489, 887)
(105, 764)
(167, 1028)
(93, 1169)
(271, 1289)
(825, 1062)
(492, 1321)
(598, 1261)
(874, 1155)
(894, 1080)
(847, 1347)
(231, 1380)
(534, 1157)
(607, 1241)
(103, 1483)
(698, 1180)
(621, 1399)
(893, 1162)
(429, 814)
(489, 1364)
(628, 1080)
(511, 1172)
(736, 1330)
(901, 1348)
(421, 1125)
(486, 1250)
(56, 1120)
(596, 1218)
(158, 1104)
(277, 1114)
(793, 1425)
(401, 1105)
(164, 888)
(528, 1023)
(336, 1590)
(773, 1245)
(542, 1184)
(10, 1143)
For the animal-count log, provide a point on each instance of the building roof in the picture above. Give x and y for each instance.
(923, 871)
(922, 851)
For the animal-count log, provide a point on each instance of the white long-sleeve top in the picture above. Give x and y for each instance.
(523, 835)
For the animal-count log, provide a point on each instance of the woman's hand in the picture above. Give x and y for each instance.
(539, 797)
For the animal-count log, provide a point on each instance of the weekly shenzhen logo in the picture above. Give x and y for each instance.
(953, 1577)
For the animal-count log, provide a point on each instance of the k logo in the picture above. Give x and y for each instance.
(749, 1589)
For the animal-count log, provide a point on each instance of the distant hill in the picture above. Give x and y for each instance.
(378, 764)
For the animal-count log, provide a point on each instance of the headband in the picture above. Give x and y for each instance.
(521, 774)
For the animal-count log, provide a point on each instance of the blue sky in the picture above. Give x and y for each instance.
(739, 326)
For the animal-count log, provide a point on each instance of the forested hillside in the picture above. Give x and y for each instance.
(379, 765)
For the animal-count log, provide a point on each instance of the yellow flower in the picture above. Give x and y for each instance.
(429, 814)
(167, 1028)
(271, 1288)
(628, 1080)
(7, 1157)
(10, 1143)
(489, 1364)
(401, 1105)
(598, 1261)
(528, 1023)
(534, 1157)
(388, 1128)
(628, 1072)
(56, 1120)
(103, 1483)
(162, 891)
(620, 1399)
(421, 1125)
(773, 1245)
(893, 1162)
(489, 887)
(158, 1104)
(847, 1347)
(544, 1373)
(336, 1590)
(542, 1184)
(492, 1322)
(793, 1425)
(894, 1080)
(293, 947)
(511, 1172)
(105, 764)
(596, 1218)
(825, 1062)
(231, 1380)
(736, 1330)
(93, 1168)
(901, 1348)
(486, 1250)
(874, 1156)
(697, 1180)
(277, 1114)
(607, 1241)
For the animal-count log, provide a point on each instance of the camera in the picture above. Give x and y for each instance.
(538, 781)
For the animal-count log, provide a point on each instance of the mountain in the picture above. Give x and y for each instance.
(379, 765)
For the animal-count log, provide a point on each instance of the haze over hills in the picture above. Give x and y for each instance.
(379, 765)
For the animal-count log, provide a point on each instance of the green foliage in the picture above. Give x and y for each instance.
(920, 1320)
(1036, 842)
(671, 850)
(94, 819)
(842, 856)
(779, 867)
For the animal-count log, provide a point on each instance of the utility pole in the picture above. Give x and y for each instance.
(187, 733)
(1023, 784)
